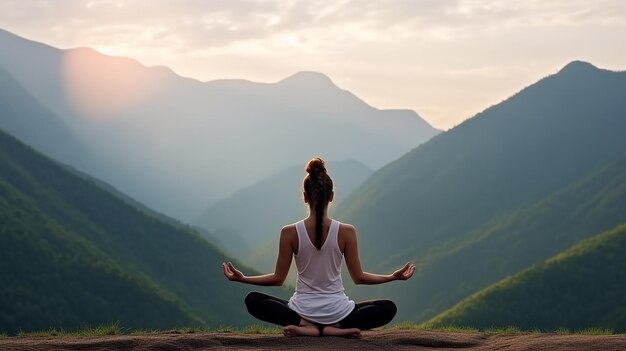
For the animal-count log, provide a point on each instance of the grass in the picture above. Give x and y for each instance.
(409, 325)
(101, 330)
(256, 328)
(259, 328)
(595, 331)
(179, 330)
(505, 330)
(586, 331)
(563, 331)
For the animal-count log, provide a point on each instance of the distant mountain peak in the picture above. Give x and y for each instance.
(577, 67)
(308, 77)
(91, 54)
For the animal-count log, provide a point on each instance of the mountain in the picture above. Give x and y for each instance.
(26, 118)
(252, 217)
(178, 144)
(582, 287)
(74, 255)
(430, 204)
(520, 238)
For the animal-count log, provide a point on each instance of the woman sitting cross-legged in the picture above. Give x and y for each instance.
(319, 305)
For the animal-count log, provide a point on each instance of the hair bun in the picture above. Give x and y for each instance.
(316, 167)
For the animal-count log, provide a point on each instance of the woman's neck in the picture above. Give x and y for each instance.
(312, 216)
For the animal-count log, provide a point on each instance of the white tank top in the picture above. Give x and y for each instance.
(319, 295)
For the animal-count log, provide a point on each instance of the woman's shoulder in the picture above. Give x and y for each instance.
(346, 236)
(289, 235)
(289, 228)
(346, 228)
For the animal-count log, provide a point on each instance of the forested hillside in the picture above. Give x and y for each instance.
(518, 239)
(582, 287)
(73, 254)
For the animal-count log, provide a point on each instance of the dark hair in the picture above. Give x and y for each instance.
(318, 188)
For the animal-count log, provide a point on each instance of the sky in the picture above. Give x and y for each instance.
(445, 59)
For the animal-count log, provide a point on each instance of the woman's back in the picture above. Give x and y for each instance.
(319, 271)
(319, 294)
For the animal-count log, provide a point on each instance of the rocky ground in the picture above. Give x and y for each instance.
(372, 340)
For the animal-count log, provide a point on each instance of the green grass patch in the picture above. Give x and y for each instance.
(563, 331)
(595, 331)
(256, 328)
(406, 325)
(101, 330)
(194, 330)
(225, 329)
(39, 333)
(457, 329)
(410, 325)
(585, 331)
(259, 328)
(178, 330)
(505, 330)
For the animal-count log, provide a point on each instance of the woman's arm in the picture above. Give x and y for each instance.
(351, 254)
(283, 262)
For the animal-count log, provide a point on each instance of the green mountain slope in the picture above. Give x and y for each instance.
(73, 254)
(60, 280)
(514, 241)
(582, 287)
(446, 194)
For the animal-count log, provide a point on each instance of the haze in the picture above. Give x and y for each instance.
(445, 59)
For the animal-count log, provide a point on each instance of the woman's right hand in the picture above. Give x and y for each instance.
(405, 272)
(231, 273)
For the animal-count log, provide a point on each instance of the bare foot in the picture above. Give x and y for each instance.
(304, 329)
(334, 330)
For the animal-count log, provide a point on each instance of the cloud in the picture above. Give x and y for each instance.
(391, 53)
(193, 24)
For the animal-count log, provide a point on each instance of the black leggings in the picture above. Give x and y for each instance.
(365, 315)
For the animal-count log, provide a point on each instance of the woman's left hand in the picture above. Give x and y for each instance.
(405, 272)
(232, 273)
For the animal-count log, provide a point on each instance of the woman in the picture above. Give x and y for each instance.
(319, 305)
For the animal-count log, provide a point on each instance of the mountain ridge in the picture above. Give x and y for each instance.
(578, 66)
(536, 142)
(148, 127)
(308, 77)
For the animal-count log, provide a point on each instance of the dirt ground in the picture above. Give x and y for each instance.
(372, 340)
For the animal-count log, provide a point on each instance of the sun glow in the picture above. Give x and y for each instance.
(99, 86)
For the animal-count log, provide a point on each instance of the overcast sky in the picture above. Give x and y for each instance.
(445, 59)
